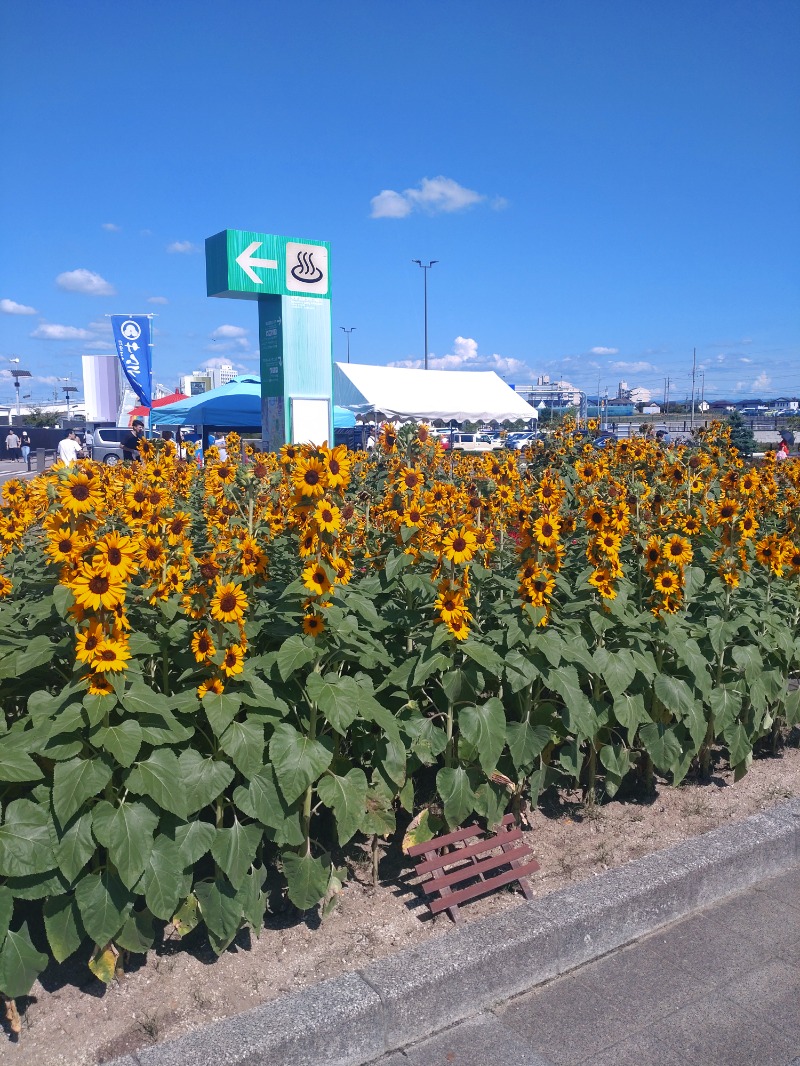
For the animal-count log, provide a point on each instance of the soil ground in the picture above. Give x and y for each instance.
(71, 1019)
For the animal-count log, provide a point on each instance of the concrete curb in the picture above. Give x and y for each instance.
(356, 1018)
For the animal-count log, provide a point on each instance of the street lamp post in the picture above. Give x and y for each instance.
(347, 331)
(17, 374)
(67, 389)
(425, 267)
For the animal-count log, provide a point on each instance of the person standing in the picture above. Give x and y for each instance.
(26, 448)
(130, 445)
(69, 448)
(12, 445)
(88, 443)
(783, 451)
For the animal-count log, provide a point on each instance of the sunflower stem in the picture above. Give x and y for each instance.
(309, 795)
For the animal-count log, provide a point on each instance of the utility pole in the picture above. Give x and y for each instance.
(425, 269)
(694, 371)
(347, 332)
(667, 384)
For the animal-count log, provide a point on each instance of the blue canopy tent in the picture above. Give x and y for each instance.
(236, 405)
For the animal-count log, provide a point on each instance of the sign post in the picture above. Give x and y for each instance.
(290, 280)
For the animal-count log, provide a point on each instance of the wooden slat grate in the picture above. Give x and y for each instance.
(461, 871)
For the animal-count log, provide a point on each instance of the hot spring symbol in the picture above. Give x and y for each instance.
(305, 270)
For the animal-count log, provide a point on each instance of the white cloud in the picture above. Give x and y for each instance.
(763, 381)
(434, 196)
(389, 204)
(603, 351)
(49, 331)
(215, 362)
(465, 356)
(157, 300)
(744, 359)
(99, 346)
(228, 332)
(498, 203)
(11, 307)
(84, 281)
(182, 248)
(635, 368)
(112, 227)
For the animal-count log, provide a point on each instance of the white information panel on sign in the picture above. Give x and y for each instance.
(310, 421)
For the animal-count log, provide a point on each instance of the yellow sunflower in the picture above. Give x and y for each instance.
(678, 551)
(310, 477)
(546, 530)
(99, 685)
(229, 602)
(79, 493)
(115, 556)
(338, 466)
(110, 655)
(458, 624)
(93, 591)
(458, 545)
(327, 517)
(667, 582)
(449, 602)
(87, 641)
(313, 624)
(203, 646)
(213, 685)
(233, 661)
(315, 579)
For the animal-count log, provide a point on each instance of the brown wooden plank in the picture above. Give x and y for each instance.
(471, 870)
(527, 891)
(452, 911)
(467, 852)
(443, 841)
(462, 895)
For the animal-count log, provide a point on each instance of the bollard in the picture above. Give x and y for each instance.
(40, 460)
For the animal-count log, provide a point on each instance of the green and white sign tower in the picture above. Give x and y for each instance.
(290, 279)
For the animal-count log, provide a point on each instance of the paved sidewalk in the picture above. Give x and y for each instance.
(720, 988)
(9, 469)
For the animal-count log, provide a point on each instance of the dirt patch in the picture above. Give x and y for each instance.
(71, 1019)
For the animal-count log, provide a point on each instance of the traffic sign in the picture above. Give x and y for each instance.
(246, 265)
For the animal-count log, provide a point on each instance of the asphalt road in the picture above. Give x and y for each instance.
(720, 988)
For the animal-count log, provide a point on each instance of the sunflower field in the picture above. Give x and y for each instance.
(215, 680)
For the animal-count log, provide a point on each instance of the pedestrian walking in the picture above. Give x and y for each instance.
(130, 445)
(12, 446)
(69, 449)
(88, 444)
(25, 448)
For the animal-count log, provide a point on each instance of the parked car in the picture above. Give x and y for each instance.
(597, 440)
(108, 444)
(466, 442)
(517, 441)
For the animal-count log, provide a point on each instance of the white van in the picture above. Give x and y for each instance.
(467, 442)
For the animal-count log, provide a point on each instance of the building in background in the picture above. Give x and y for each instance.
(102, 387)
(634, 395)
(212, 377)
(557, 395)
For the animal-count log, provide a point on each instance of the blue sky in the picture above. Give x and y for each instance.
(606, 186)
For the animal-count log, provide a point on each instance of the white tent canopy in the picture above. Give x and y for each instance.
(425, 395)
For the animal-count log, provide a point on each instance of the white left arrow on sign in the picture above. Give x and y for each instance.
(247, 261)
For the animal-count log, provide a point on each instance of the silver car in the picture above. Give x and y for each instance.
(107, 446)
